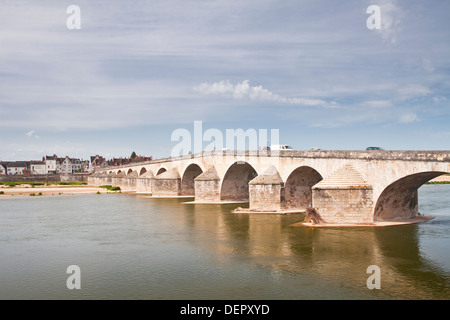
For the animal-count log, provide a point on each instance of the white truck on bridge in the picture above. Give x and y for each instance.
(278, 147)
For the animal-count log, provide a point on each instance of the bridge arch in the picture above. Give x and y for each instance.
(119, 171)
(129, 171)
(161, 170)
(187, 180)
(142, 171)
(235, 181)
(399, 200)
(297, 192)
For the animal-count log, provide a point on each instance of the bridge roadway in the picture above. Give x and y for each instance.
(345, 187)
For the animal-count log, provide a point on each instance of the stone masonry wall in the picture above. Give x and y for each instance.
(127, 184)
(166, 187)
(344, 205)
(144, 185)
(265, 197)
(207, 190)
(45, 178)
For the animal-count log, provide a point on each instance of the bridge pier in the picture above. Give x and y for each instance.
(344, 206)
(116, 180)
(144, 183)
(265, 192)
(128, 182)
(167, 184)
(344, 198)
(108, 179)
(207, 187)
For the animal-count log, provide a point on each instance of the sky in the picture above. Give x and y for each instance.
(136, 71)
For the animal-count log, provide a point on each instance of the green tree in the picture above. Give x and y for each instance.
(133, 155)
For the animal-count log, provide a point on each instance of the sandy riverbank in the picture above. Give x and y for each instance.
(25, 190)
(441, 178)
(418, 219)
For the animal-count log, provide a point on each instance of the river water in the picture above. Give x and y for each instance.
(135, 247)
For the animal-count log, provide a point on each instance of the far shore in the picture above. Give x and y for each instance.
(443, 178)
(28, 190)
(55, 189)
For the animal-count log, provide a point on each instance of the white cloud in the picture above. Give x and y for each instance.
(408, 118)
(413, 91)
(32, 134)
(427, 65)
(392, 16)
(29, 134)
(439, 99)
(243, 90)
(378, 103)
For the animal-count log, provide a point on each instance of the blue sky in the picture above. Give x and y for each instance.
(138, 70)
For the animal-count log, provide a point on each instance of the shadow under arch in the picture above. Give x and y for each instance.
(235, 182)
(297, 192)
(161, 170)
(399, 200)
(187, 180)
(142, 171)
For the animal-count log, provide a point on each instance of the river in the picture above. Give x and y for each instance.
(135, 247)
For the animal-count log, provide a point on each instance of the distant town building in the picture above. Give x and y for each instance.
(70, 165)
(2, 169)
(65, 165)
(123, 161)
(97, 162)
(16, 168)
(86, 165)
(52, 164)
(37, 167)
(77, 165)
(118, 161)
(141, 159)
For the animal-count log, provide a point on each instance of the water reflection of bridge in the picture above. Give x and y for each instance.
(339, 256)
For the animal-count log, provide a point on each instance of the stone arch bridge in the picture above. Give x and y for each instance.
(345, 187)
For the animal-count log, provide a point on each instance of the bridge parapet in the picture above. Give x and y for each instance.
(403, 155)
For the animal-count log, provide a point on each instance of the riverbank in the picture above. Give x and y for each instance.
(44, 190)
(441, 179)
(418, 219)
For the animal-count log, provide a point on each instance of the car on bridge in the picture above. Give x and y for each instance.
(373, 148)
